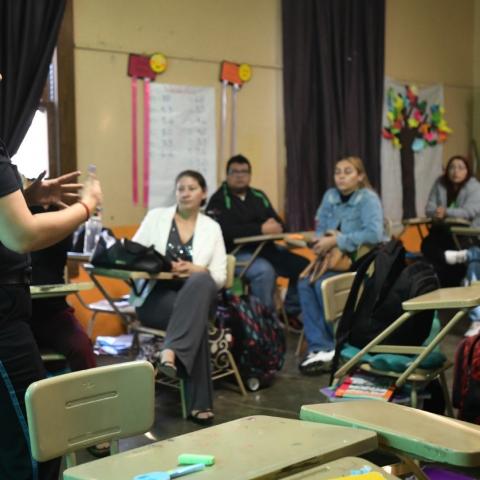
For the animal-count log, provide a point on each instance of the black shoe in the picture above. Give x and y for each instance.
(195, 417)
(99, 451)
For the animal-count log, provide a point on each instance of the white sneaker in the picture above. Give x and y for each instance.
(315, 357)
(326, 356)
(474, 329)
(453, 257)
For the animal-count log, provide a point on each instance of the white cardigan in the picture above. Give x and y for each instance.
(208, 248)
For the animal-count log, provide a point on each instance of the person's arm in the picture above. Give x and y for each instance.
(471, 207)
(324, 212)
(22, 232)
(217, 266)
(371, 232)
(432, 202)
(61, 191)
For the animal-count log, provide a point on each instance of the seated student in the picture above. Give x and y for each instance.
(470, 257)
(53, 321)
(349, 216)
(194, 244)
(243, 211)
(455, 194)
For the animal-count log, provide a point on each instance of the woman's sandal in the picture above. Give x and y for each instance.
(167, 365)
(196, 417)
(168, 369)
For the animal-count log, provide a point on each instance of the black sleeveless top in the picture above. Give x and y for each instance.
(10, 182)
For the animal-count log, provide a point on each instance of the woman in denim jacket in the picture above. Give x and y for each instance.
(349, 216)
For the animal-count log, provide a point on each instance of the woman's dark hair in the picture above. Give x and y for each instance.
(196, 176)
(452, 188)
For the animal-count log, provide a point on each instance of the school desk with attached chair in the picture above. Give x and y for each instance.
(248, 448)
(412, 435)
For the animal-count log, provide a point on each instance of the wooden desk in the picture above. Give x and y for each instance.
(58, 289)
(127, 276)
(340, 468)
(461, 298)
(262, 240)
(421, 434)
(249, 448)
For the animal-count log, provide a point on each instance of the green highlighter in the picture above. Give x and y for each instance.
(191, 458)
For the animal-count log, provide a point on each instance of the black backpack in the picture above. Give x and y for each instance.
(380, 303)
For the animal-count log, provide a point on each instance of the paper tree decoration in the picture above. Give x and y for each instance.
(412, 126)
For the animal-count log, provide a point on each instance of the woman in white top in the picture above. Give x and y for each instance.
(194, 244)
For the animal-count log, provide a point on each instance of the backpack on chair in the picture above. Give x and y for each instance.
(258, 338)
(466, 380)
(367, 313)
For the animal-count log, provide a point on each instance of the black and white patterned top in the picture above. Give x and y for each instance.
(176, 250)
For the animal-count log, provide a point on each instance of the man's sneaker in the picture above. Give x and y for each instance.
(474, 329)
(452, 257)
(316, 363)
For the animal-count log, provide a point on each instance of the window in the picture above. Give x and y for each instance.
(38, 151)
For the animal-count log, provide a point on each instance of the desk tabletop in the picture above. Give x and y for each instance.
(131, 275)
(340, 468)
(259, 238)
(467, 231)
(247, 448)
(422, 434)
(455, 297)
(79, 256)
(417, 221)
(58, 289)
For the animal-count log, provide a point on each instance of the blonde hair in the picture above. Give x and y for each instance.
(358, 165)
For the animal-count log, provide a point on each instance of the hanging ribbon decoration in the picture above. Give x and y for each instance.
(236, 75)
(146, 68)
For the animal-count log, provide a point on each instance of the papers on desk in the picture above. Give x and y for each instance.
(113, 345)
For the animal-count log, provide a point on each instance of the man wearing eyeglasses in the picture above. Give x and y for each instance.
(243, 211)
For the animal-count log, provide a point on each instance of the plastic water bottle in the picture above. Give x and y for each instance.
(93, 226)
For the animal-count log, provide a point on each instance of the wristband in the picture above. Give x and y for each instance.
(87, 210)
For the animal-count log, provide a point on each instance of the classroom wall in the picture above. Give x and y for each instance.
(427, 42)
(432, 41)
(195, 35)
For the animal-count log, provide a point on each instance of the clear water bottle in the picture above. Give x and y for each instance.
(93, 226)
(93, 229)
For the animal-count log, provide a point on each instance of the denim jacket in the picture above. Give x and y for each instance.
(360, 219)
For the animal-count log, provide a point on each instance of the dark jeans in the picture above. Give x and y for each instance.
(22, 365)
(274, 260)
(62, 332)
(434, 245)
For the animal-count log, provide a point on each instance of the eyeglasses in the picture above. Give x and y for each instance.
(239, 172)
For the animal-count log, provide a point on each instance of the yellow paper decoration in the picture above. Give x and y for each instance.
(245, 72)
(158, 62)
(413, 122)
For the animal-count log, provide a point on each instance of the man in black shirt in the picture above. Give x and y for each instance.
(243, 211)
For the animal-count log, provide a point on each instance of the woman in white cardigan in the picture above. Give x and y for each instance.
(194, 244)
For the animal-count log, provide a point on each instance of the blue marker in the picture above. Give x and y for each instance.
(176, 472)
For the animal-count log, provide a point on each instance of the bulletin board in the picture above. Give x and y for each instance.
(182, 136)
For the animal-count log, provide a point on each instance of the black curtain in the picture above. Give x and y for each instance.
(333, 70)
(28, 35)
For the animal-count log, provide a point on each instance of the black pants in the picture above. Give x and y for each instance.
(184, 310)
(433, 247)
(20, 365)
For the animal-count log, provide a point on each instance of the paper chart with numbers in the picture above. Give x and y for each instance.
(182, 136)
